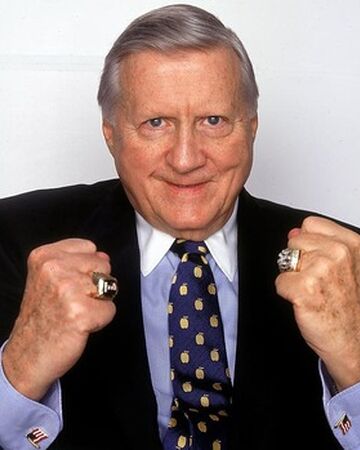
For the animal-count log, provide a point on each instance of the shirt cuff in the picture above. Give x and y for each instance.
(24, 423)
(342, 410)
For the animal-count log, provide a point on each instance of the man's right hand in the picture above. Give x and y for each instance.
(57, 315)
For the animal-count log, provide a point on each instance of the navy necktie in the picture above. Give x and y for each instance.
(199, 370)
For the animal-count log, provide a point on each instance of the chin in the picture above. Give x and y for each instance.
(188, 228)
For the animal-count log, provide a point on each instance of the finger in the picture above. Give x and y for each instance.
(55, 249)
(103, 255)
(310, 242)
(81, 286)
(86, 285)
(74, 245)
(66, 266)
(81, 310)
(286, 285)
(87, 263)
(294, 232)
(322, 250)
(326, 227)
(307, 288)
(96, 315)
(290, 285)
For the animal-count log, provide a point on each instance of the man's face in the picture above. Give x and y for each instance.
(182, 139)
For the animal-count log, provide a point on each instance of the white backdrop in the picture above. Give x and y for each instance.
(306, 55)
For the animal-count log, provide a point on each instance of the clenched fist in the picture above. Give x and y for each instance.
(325, 294)
(57, 315)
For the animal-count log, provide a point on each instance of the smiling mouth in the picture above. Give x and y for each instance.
(190, 189)
(187, 186)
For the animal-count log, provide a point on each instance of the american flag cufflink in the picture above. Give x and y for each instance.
(344, 424)
(35, 436)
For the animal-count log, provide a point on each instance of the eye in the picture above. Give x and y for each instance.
(155, 128)
(157, 122)
(214, 120)
(216, 126)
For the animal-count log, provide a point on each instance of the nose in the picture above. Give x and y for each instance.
(186, 154)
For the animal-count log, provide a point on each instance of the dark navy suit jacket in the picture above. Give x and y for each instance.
(108, 398)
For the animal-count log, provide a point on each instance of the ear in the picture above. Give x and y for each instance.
(108, 132)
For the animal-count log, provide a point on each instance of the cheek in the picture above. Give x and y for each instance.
(135, 163)
(233, 167)
(131, 158)
(233, 156)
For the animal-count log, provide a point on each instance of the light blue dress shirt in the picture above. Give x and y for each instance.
(158, 266)
(19, 415)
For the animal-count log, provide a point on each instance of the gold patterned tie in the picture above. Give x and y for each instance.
(199, 370)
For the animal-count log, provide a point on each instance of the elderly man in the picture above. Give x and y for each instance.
(198, 351)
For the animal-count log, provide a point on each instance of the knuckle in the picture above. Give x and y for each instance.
(342, 252)
(310, 222)
(49, 267)
(87, 245)
(65, 287)
(323, 268)
(36, 255)
(311, 285)
(326, 270)
(41, 254)
(76, 313)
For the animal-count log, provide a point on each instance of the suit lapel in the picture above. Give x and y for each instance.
(253, 393)
(120, 348)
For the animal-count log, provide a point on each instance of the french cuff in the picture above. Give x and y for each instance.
(26, 424)
(342, 410)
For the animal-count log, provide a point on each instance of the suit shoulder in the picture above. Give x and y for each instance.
(279, 216)
(50, 214)
(268, 213)
(80, 195)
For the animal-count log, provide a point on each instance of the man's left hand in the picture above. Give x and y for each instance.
(325, 294)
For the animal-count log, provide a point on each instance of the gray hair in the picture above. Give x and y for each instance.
(173, 27)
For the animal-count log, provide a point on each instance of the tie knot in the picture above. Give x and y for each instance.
(182, 247)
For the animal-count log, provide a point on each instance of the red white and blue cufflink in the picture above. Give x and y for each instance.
(35, 436)
(344, 424)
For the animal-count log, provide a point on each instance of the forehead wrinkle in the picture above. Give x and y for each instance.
(186, 85)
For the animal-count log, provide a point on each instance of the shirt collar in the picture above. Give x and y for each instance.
(154, 244)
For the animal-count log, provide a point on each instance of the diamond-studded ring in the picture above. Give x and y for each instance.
(289, 260)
